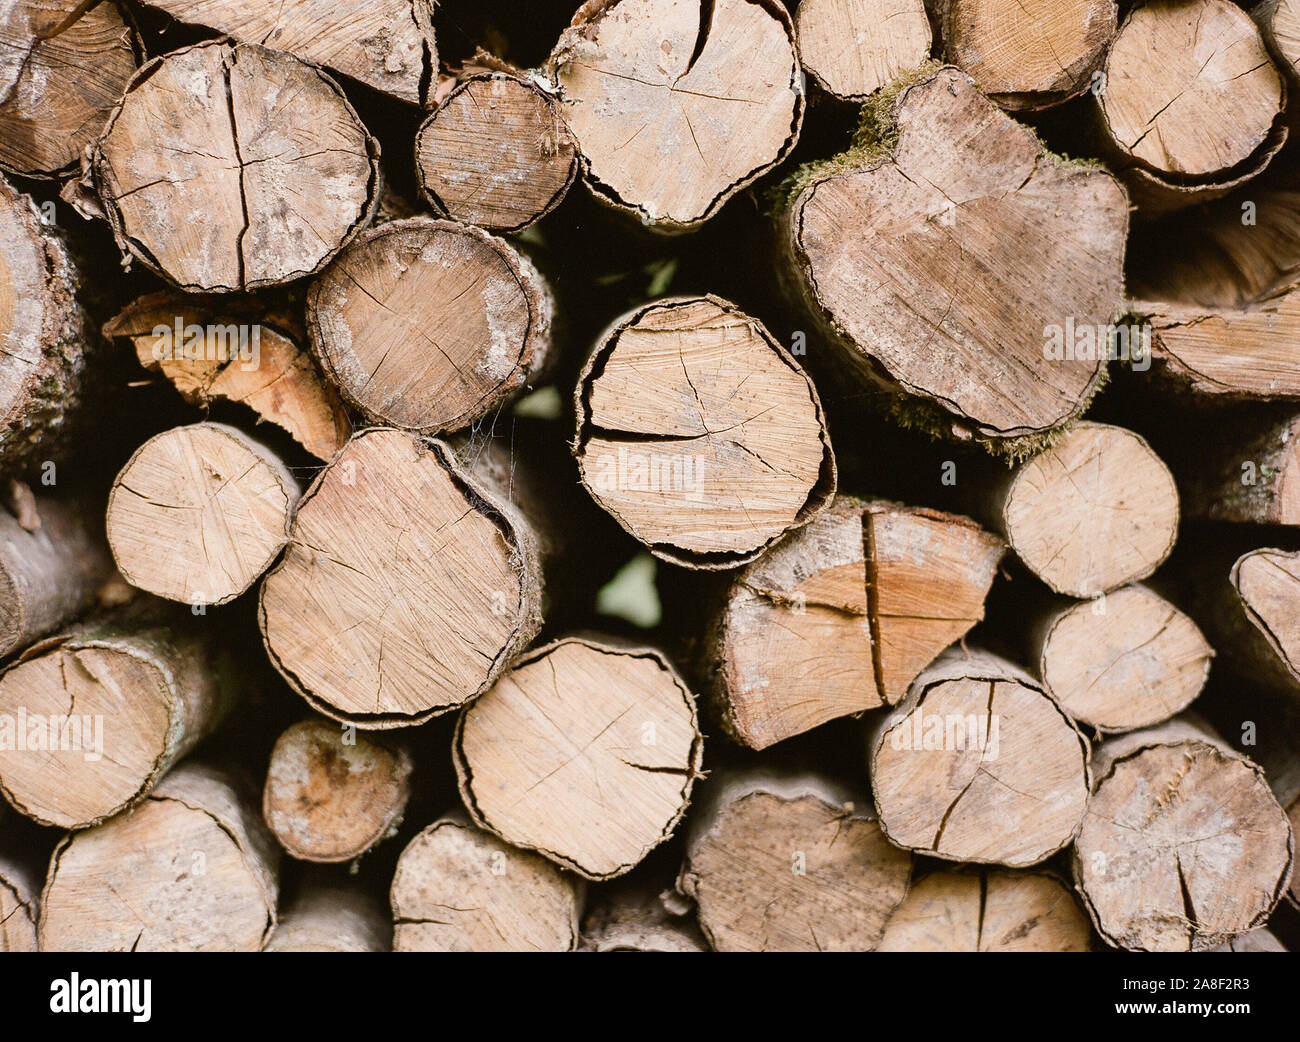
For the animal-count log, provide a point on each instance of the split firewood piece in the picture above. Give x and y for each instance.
(979, 764)
(210, 353)
(700, 434)
(63, 66)
(640, 918)
(1125, 660)
(18, 890)
(496, 152)
(331, 794)
(941, 253)
(855, 47)
(407, 585)
(52, 567)
(1095, 511)
(988, 911)
(843, 614)
(460, 889)
(428, 324)
(1029, 55)
(232, 166)
(385, 44)
(325, 918)
(677, 110)
(1279, 23)
(1244, 352)
(44, 334)
(1160, 861)
(1266, 584)
(199, 512)
(192, 868)
(790, 862)
(96, 717)
(1190, 99)
(583, 752)
(1250, 474)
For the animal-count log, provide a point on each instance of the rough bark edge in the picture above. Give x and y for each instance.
(525, 558)
(528, 83)
(590, 12)
(958, 664)
(1259, 630)
(465, 777)
(535, 352)
(819, 496)
(132, 249)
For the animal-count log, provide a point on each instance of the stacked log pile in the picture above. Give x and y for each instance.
(737, 475)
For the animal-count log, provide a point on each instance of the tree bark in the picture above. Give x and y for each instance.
(332, 794)
(987, 214)
(1160, 862)
(109, 710)
(192, 868)
(496, 152)
(330, 918)
(700, 434)
(407, 587)
(855, 47)
(675, 112)
(207, 205)
(638, 918)
(430, 325)
(842, 615)
(18, 889)
(458, 888)
(63, 66)
(790, 862)
(979, 764)
(583, 752)
(199, 513)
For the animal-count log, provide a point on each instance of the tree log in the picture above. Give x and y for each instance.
(218, 354)
(49, 572)
(675, 111)
(1126, 660)
(700, 434)
(44, 336)
(97, 716)
(943, 189)
(407, 585)
(1028, 56)
(331, 796)
(979, 764)
(18, 889)
(324, 918)
(496, 153)
(229, 167)
(459, 889)
(1266, 583)
(583, 752)
(1160, 861)
(63, 66)
(385, 44)
(988, 911)
(199, 512)
(1251, 474)
(855, 47)
(191, 868)
(843, 614)
(1279, 24)
(1094, 512)
(790, 863)
(637, 918)
(429, 325)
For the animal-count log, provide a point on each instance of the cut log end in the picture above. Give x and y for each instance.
(331, 796)
(198, 513)
(208, 206)
(608, 734)
(855, 47)
(459, 889)
(1095, 511)
(429, 325)
(676, 111)
(331, 919)
(17, 908)
(496, 153)
(700, 434)
(405, 588)
(1268, 583)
